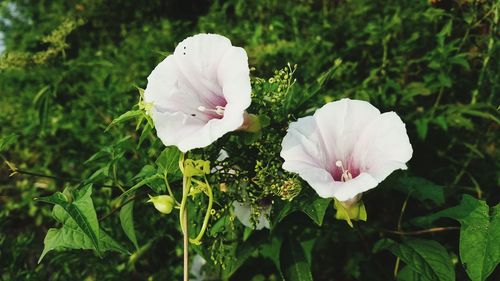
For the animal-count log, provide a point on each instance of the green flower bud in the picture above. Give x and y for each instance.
(353, 209)
(163, 203)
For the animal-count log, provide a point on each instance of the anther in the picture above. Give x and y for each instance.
(346, 175)
(219, 110)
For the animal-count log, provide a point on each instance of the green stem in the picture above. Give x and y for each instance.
(170, 189)
(197, 240)
(185, 192)
(183, 217)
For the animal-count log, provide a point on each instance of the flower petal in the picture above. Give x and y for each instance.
(303, 143)
(340, 124)
(383, 147)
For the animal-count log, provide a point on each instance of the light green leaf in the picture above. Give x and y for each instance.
(72, 237)
(81, 210)
(127, 222)
(140, 184)
(294, 265)
(426, 257)
(124, 117)
(168, 163)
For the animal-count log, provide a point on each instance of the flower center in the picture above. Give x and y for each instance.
(346, 175)
(219, 110)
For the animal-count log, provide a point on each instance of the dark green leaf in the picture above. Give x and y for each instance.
(6, 141)
(127, 222)
(314, 207)
(408, 274)
(243, 252)
(421, 189)
(294, 265)
(427, 258)
(479, 235)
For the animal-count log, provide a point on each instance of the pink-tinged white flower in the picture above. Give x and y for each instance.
(347, 147)
(244, 213)
(200, 92)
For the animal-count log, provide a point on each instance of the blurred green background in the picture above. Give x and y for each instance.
(68, 68)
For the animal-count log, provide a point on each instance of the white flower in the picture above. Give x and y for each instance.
(347, 147)
(196, 270)
(244, 212)
(200, 92)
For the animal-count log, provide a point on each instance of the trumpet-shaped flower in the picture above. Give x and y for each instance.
(346, 148)
(200, 92)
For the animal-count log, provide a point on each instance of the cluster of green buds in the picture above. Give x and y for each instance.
(289, 189)
(271, 93)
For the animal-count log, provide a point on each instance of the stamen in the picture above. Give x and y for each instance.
(219, 110)
(346, 175)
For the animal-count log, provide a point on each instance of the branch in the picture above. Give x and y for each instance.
(423, 231)
(15, 170)
(130, 199)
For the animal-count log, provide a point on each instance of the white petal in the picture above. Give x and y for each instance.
(304, 143)
(243, 212)
(384, 146)
(341, 123)
(196, 269)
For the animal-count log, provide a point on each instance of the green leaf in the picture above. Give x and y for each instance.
(81, 210)
(71, 235)
(124, 117)
(299, 95)
(421, 189)
(408, 274)
(314, 207)
(426, 257)
(243, 252)
(422, 127)
(6, 141)
(143, 182)
(146, 131)
(294, 265)
(127, 222)
(168, 163)
(479, 235)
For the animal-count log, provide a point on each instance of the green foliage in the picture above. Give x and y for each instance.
(80, 228)
(127, 222)
(427, 258)
(479, 235)
(69, 109)
(294, 265)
